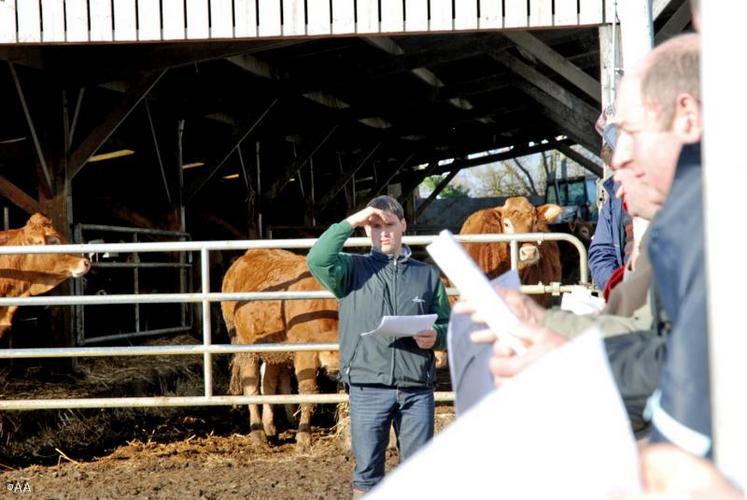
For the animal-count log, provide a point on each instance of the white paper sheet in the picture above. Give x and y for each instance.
(581, 301)
(557, 430)
(468, 362)
(474, 286)
(403, 326)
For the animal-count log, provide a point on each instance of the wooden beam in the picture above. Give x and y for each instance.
(32, 129)
(544, 53)
(436, 191)
(336, 77)
(157, 150)
(675, 24)
(574, 155)
(416, 180)
(560, 94)
(345, 178)
(240, 134)
(18, 197)
(514, 152)
(294, 167)
(136, 93)
(659, 6)
(483, 85)
(577, 126)
(86, 66)
(386, 180)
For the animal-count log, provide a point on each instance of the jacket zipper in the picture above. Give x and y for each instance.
(394, 307)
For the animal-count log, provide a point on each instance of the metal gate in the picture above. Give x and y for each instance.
(207, 349)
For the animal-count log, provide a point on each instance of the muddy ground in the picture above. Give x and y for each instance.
(160, 452)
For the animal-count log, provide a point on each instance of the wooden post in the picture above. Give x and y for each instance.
(637, 37)
(57, 205)
(637, 30)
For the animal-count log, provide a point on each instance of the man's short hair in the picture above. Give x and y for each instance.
(388, 204)
(672, 69)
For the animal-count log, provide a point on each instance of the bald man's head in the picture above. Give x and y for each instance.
(670, 70)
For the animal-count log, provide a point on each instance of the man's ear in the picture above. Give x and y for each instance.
(367, 229)
(404, 225)
(688, 119)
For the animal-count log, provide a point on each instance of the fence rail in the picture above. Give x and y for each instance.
(207, 349)
(81, 21)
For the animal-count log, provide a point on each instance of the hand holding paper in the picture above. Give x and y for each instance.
(473, 285)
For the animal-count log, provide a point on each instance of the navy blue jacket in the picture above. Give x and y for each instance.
(606, 252)
(681, 407)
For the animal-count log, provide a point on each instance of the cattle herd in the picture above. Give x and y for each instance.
(281, 321)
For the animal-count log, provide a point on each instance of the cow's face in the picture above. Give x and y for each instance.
(520, 216)
(39, 231)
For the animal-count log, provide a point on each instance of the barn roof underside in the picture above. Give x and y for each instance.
(367, 110)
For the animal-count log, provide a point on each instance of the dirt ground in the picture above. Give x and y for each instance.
(210, 467)
(161, 452)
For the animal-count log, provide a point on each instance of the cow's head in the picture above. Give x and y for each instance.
(520, 216)
(582, 230)
(39, 231)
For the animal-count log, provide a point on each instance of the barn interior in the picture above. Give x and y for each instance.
(279, 138)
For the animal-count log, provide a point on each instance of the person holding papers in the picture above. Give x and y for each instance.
(390, 378)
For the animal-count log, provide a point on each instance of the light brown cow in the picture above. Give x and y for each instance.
(33, 274)
(538, 261)
(275, 321)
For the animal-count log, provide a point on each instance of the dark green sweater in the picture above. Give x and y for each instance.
(369, 287)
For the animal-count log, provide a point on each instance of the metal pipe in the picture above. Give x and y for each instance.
(162, 401)
(125, 229)
(514, 254)
(207, 359)
(135, 335)
(80, 324)
(160, 298)
(161, 350)
(193, 246)
(136, 285)
(141, 265)
(259, 191)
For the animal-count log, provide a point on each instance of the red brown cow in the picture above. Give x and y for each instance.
(275, 321)
(539, 262)
(33, 274)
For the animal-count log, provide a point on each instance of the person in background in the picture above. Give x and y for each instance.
(614, 232)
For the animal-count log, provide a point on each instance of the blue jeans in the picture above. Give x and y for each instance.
(373, 409)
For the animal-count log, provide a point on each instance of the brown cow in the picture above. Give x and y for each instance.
(33, 274)
(538, 261)
(275, 321)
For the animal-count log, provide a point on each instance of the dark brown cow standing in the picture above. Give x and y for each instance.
(275, 321)
(539, 262)
(33, 274)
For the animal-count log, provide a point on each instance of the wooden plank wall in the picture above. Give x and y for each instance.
(61, 21)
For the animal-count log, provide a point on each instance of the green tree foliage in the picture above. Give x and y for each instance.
(450, 191)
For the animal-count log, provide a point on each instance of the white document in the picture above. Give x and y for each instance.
(471, 379)
(557, 430)
(581, 301)
(403, 326)
(474, 286)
